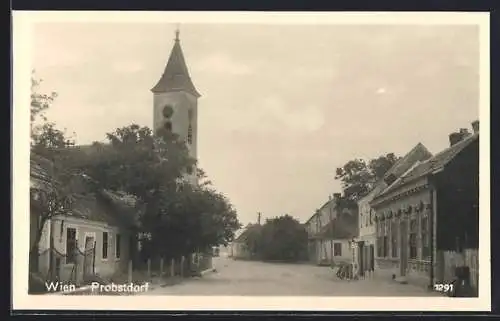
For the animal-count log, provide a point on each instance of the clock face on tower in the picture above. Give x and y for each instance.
(168, 111)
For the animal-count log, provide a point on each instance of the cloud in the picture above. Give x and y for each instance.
(221, 63)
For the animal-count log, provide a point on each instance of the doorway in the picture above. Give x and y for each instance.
(361, 259)
(403, 265)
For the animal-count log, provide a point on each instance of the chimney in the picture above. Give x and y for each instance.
(389, 179)
(475, 126)
(455, 138)
(464, 132)
(336, 196)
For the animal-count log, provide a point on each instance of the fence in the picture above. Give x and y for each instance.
(172, 267)
(75, 267)
(453, 259)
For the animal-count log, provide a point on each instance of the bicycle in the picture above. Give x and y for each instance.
(344, 271)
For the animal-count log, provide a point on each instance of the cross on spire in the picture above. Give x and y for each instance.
(177, 32)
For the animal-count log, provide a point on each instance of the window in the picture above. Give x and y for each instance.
(361, 221)
(168, 126)
(381, 241)
(71, 245)
(190, 135)
(168, 111)
(425, 237)
(413, 239)
(118, 246)
(104, 245)
(337, 249)
(394, 239)
(386, 246)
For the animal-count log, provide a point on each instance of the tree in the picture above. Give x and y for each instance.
(282, 239)
(178, 218)
(44, 134)
(358, 176)
(50, 154)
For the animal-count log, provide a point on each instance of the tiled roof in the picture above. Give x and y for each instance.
(87, 204)
(342, 227)
(432, 164)
(416, 154)
(176, 75)
(246, 232)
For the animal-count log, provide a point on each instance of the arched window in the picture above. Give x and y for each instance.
(168, 126)
(168, 111)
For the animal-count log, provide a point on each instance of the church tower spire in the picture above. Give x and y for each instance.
(176, 76)
(175, 102)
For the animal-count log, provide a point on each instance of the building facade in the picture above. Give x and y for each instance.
(94, 237)
(365, 247)
(331, 231)
(427, 220)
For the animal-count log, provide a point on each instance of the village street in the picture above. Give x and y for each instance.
(257, 278)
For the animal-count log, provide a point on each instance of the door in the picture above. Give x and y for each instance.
(88, 261)
(372, 257)
(361, 259)
(403, 264)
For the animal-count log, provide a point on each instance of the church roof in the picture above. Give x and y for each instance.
(176, 77)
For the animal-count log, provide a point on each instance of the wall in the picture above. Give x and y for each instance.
(239, 251)
(324, 252)
(104, 267)
(418, 269)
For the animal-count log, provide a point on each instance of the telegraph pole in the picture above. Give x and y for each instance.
(330, 210)
(259, 215)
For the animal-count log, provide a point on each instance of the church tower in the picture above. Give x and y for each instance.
(175, 102)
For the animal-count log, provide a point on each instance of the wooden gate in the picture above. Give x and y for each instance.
(89, 258)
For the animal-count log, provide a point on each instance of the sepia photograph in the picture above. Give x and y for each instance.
(245, 159)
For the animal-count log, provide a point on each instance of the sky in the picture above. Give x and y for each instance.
(282, 106)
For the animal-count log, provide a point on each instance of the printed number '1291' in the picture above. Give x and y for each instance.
(443, 287)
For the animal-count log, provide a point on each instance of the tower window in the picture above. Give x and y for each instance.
(190, 135)
(168, 126)
(168, 111)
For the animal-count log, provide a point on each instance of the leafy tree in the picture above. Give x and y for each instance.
(358, 176)
(282, 239)
(179, 218)
(44, 135)
(50, 155)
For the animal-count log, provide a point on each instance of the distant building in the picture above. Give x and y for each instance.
(331, 231)
(240, 246)
(427, 220)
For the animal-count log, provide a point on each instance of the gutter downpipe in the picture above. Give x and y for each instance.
(433, 210)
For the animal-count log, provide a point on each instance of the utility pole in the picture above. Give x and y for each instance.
(259, 215)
